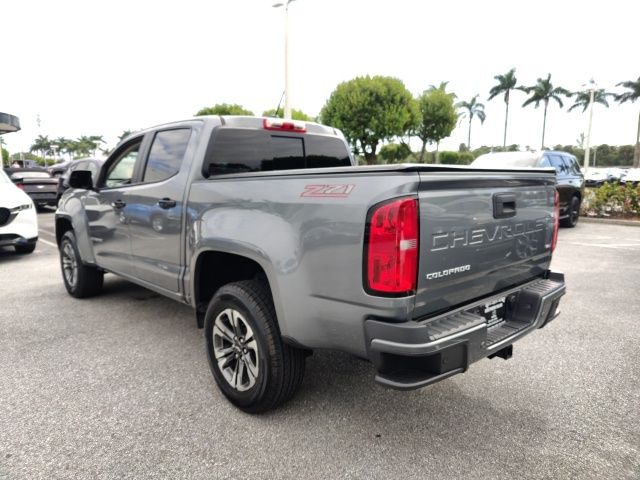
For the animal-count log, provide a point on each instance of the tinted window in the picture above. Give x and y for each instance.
(557, 163)
(120, 171)
(235, 150)
(326, 152)
(166, 154)
(572, 165)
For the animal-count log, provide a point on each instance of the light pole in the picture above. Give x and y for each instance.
(287, 103)
(591, 87)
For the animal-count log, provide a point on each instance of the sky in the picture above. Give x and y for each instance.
(97, 67)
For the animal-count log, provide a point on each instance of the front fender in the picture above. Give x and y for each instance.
(72, 209)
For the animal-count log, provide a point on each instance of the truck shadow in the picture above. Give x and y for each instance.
(339, 393)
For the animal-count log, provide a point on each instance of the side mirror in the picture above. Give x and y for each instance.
(81, 179)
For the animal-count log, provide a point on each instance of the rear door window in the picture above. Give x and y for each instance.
(558, 164)
(166, 154)
(236, 150)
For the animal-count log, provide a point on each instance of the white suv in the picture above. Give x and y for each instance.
(18, 219)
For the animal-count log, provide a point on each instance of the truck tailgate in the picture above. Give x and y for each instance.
(480, 234)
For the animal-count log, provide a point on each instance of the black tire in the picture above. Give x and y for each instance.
(574, 214)
(87, 280)
(280, 367)
(23, 249)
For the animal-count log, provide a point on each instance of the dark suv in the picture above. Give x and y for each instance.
(570, 180)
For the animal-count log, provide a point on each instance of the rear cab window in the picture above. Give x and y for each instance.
(242, 150)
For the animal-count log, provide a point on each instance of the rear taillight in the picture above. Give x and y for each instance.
(20, 186)
(556, 220)
(284, 125)
(391, 262)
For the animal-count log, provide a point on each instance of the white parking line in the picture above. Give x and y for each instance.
(627, 246)
(47, 242)
(47, 231)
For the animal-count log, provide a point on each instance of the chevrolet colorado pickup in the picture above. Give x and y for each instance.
(282, 246)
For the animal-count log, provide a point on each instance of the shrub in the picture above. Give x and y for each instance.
(394, 152)
(456, 158)
(612, 199)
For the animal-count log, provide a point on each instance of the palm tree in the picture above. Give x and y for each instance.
(506, 83)
(632, 95)
(544, 91)
(583, 98)
(41, 144)
(471, 109)
(60, 144)
(96, 140)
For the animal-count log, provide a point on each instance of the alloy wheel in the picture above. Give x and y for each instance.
(235, 349)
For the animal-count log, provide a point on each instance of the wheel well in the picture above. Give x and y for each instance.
(577, 194)
(215, 269)
(63, 225)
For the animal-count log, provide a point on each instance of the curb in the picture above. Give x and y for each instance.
(611, 221)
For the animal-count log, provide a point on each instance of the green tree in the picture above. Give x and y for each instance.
(224, 109)
(631, 95)
(295, 114)
(506, 83)
(369, 110)
(394, 152)
(582, 99)
(437, 117)
(542, 92)
(125, 134)
(471, 109)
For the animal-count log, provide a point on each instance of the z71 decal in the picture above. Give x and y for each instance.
(332, 191)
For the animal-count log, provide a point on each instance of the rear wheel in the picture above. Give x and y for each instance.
(573, 214)
(80, 280)
(251, 364)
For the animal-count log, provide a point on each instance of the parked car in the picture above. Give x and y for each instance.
(282, 245)
(569, 177)
(37, 183)
(632, 177)
(18, 219)
(596, 177)
(91, 164)
(24, 164)
(58, 169)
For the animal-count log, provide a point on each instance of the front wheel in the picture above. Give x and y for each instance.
(80, 280)
(251, 364)
(574, 214)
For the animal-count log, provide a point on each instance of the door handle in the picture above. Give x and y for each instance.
(118, 204)
(504, 205)
(166, 203)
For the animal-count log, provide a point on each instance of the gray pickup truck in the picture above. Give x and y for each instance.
(282, 246)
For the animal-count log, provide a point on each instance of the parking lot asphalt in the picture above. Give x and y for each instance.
(118, 386)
